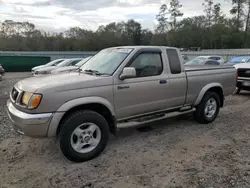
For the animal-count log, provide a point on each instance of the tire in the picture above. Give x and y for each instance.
(200, 115)
(78, 123)
(238, 90)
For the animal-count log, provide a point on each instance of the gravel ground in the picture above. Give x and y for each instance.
(175, 153)
(8, 81)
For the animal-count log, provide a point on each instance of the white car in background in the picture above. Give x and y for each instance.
(49, 64)
(243, 76)
(65, 63)
(242, 64)
(70, 68)
(216, 58)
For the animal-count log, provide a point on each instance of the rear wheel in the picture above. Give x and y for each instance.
(208, 109)
(84, 136)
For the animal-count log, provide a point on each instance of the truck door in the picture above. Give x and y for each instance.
(148, 91)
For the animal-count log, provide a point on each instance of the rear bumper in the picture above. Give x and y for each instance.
(2, 72)
(33, 125)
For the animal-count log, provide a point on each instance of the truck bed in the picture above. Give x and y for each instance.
(206, 67)
(200, 76)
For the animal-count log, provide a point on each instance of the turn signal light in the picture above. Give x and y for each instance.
(35, 101)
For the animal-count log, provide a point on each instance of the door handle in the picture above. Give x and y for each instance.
(163, 81)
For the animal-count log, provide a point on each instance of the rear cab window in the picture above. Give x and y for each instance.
(174, 61)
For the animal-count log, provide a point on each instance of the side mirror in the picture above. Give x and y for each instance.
(128, 72)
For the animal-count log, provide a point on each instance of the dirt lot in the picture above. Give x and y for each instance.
(177, 152)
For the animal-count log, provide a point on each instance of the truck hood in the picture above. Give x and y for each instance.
(64, 69)
(242, 65)
(62, 82)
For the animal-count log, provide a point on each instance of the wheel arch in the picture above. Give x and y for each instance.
(213, 87)
(97, 104)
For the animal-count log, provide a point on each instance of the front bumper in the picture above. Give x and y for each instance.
(33, 125)
(39, 75)
(241, 86)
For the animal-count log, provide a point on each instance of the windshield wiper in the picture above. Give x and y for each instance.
(95, 72)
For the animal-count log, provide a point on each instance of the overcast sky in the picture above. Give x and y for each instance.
(89, 14)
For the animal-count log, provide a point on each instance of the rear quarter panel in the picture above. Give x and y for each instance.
(199, 78)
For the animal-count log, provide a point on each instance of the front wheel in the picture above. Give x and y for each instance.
(84, 136)
(238, 90)
(208, 109)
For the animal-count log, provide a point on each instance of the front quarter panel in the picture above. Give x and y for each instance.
(73, 103)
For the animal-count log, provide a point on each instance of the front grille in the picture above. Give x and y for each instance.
(244, 73)
(14, 94)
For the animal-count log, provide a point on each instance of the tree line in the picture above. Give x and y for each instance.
(212, 30)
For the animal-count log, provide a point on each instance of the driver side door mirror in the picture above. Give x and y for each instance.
(128, 72)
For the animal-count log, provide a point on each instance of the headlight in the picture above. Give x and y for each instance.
(31, 100)
(44, 72)
(26, 98)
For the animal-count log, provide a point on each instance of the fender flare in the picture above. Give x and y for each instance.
(52, 130)
(86, 100)
(204, 90)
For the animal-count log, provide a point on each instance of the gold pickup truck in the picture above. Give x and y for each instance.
(117, 88)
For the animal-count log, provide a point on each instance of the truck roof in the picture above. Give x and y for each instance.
(142, 47)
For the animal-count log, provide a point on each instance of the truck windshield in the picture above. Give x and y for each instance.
(106, 61)
(82, 62)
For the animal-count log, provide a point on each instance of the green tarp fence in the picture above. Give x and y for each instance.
(22, 63)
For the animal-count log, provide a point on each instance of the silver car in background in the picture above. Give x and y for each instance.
(65, 63)
(49, 64)
(214, 57)
(202, 60)
(71, 68)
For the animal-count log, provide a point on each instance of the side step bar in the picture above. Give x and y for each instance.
(163, 116)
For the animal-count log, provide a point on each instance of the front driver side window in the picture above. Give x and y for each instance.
(148, 64)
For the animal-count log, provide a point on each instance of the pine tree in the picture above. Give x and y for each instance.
(208, 5)
(218, 16)
(175, 12)
(238, 11)
(162, 19)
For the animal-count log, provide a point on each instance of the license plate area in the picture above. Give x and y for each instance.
(246, 83)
